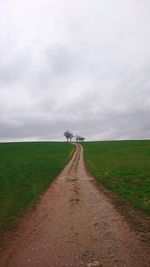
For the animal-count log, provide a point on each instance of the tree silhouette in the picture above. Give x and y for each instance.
(79, 138)
(68, 135)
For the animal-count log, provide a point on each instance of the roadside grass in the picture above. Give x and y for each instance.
(123, 167)
(26, 170)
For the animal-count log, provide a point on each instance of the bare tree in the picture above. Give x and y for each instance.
(82, 138)
(68, 135)
(79, 138)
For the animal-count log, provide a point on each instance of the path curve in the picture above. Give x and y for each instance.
(74, 224)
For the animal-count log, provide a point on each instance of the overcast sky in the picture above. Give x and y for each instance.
(79, 65)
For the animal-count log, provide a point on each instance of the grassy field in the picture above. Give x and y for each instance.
(123, 167)
(26, 170)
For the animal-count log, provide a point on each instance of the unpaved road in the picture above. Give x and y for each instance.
(74, 224)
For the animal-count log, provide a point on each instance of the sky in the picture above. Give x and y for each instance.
(78, 65)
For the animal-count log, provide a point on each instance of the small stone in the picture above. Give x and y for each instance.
(93, 264)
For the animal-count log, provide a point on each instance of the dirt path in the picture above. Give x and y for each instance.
(74, 224)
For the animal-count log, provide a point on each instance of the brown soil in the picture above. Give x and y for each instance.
(75, 224)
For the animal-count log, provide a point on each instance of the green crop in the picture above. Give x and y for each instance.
(123, 167)
(26, 170)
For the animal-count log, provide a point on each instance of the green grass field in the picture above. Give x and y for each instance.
(26, 170)
(123, 167)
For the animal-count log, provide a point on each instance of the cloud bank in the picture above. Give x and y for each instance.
(77, 65)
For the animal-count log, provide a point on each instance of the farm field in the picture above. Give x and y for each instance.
(123, 167)
(76, 224)
(26, 170)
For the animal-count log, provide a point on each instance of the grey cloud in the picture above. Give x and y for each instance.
(11, 72)
(64, 60)
(82, 66)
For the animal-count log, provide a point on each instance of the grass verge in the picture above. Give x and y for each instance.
(26, 170)
(123, 167)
